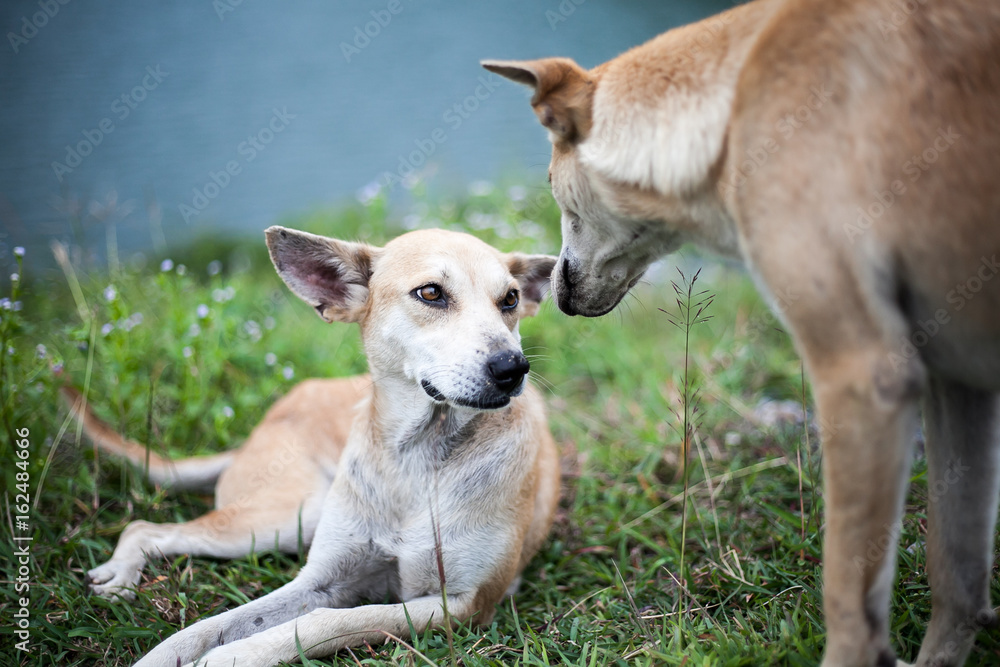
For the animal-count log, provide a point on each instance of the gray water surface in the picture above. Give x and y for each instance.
(232, 115)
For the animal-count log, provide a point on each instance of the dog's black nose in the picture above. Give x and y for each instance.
(508, 368)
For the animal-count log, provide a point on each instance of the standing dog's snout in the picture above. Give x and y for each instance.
(507, 369)
(564, 295)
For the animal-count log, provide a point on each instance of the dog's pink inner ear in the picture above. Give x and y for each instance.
(533, 274)
(330, 275)
(326, 281)
(564, 93)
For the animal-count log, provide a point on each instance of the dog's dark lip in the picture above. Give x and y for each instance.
(499, 402)
(432, 391)
(564, 304)
(569, 309)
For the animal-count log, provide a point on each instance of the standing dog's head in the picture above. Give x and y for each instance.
(614, 173)
(437, 309)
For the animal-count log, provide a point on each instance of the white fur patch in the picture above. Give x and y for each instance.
(667, 144)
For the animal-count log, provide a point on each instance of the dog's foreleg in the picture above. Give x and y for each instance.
(324, 631)
(290, 601)
(963, 436)
(868, 416)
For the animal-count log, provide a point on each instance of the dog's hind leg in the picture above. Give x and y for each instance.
(228, 532)
(963, 475)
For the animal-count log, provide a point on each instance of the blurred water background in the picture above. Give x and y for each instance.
(165, 120)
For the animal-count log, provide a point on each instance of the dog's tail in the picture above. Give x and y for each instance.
(196, 473)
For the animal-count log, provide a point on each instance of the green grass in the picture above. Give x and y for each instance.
(608, 588)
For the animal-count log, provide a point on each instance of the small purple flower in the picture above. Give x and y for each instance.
(288, 372)
(368, 193)
(202, 311)
(270, 358)
(187, 352)
(214, 267)
(166, 265)
(110, 293)
(14, 277)
(16, 306)
(223, 295)
(227, 412)
(480, 188)
(19, 251)
(107, 328)
(5, 303)
(252, 330)
(40, 351)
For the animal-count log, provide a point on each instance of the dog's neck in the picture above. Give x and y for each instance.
(670, 144)
(405, 419)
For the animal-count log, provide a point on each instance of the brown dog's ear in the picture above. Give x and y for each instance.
(330, 275)
(532, 273)
(564, 92)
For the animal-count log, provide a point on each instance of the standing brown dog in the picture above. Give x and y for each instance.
(848, 152)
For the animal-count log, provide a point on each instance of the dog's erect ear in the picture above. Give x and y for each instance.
(532, 273)
(564, 92)
(330, 275)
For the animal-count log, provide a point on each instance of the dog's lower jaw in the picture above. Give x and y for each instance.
(497, 402)
(481, 404)
(432, 391)
(570, 303)
(566, 304)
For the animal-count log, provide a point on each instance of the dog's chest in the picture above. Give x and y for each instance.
(408, 504)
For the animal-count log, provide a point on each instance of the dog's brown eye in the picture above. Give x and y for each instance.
(430, 293)
(510, 301)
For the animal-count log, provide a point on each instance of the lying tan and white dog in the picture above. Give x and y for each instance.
(432, 480)
(848, 152)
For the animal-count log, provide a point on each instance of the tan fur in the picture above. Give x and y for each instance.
(848, 153)
(434, 465)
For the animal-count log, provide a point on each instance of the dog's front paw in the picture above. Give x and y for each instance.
(116, 579)
(244, 653)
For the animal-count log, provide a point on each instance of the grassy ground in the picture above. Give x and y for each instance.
(633, 574)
